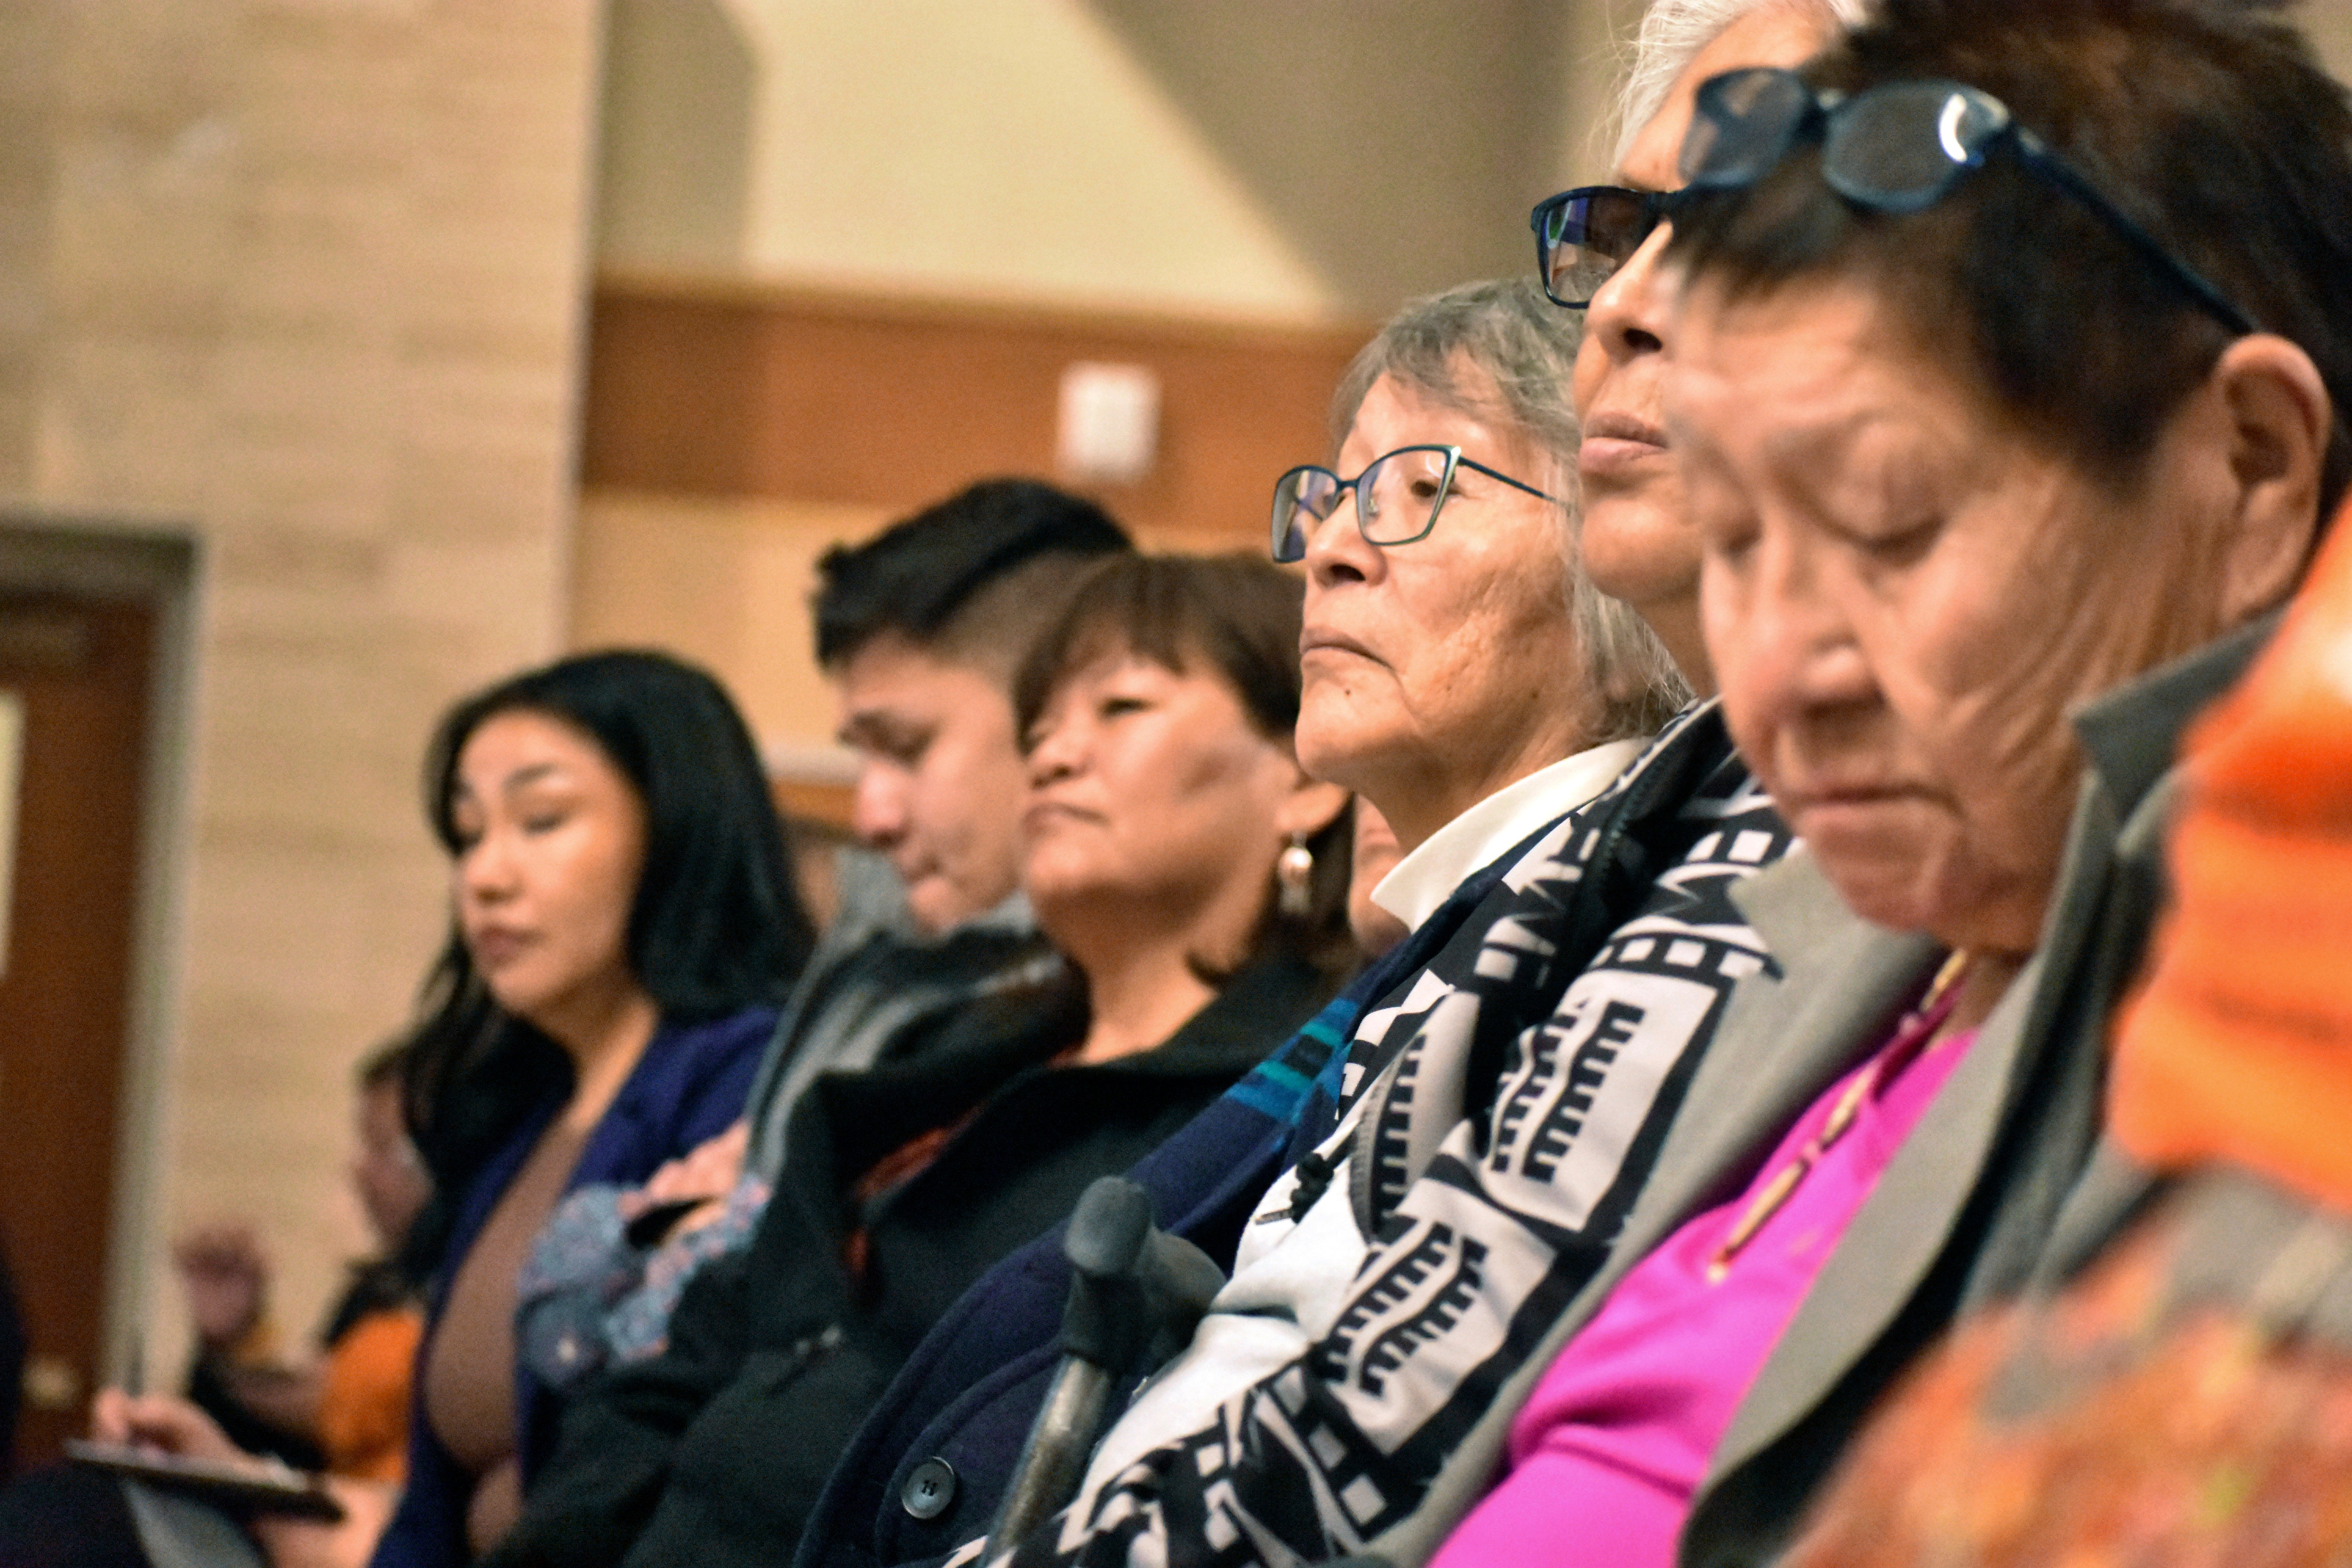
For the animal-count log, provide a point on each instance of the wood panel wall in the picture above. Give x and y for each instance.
(696, 388)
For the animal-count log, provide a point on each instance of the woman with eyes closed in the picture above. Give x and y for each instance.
(2008, 352)
(626, 922)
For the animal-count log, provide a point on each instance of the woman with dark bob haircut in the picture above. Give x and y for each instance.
(1239, 619)
(625, 923)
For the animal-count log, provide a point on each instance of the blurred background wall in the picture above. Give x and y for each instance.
(367, 348)
(296, 287)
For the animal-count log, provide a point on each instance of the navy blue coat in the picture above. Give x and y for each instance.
(689, 1086)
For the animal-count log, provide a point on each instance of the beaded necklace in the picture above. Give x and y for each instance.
(1918, 1027)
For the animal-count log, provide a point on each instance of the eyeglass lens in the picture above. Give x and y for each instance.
(1897, 148)
(1900, 148)
(1745, 122)
(1397, 498)
(1584, 235)
(1301, 496)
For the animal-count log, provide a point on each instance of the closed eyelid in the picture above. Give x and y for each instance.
(1907, 535)
(1725, 533)
(539, 811)
(1891, 501)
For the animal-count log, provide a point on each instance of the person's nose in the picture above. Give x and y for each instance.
(1780, 634)
(878, 807)
(486, 869)
(1337, 550)
(1057, 751)
(1627, 317)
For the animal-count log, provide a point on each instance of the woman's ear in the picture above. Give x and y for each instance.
(2277, 417)
(1311, 807)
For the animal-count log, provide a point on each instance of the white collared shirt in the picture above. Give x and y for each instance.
(1446, 858)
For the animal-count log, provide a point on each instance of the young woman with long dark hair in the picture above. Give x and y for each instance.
(625, 923)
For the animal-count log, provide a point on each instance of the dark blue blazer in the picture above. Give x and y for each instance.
(689, 1086)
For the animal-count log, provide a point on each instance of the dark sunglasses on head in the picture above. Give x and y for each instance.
(1898, 148)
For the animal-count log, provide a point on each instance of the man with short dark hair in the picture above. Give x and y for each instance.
(919, 629)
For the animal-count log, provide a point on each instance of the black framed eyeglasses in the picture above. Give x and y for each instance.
(1398, 497)
(1584, 235)
(1897, 148)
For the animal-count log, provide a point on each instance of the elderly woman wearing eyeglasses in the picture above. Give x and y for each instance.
(2007, 348)
(1502, 1077)
(1467, 1160)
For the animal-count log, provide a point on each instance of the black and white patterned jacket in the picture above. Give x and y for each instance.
(1497, 1115)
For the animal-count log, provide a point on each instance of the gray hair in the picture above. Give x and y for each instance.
(1448, 347)
(1673, 33)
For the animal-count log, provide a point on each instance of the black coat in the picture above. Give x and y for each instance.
(713, 1452)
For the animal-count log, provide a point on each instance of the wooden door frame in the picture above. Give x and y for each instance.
(162, 567)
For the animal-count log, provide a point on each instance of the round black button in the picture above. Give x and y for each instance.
(930, 1488)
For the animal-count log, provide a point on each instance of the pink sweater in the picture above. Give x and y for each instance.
(1617, 1435)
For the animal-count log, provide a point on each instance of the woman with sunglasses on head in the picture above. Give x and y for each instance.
(1996, 481)
(2171, 1391)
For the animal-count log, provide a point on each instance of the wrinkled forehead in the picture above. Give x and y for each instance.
(1806, 380)
(1464, 408)
(1459, 386)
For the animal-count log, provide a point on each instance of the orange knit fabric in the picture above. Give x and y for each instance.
(363, 1407)
(2239, 1046)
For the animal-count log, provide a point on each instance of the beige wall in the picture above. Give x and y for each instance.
(726, 584)
(723, 582)
(1301, 162)
(1298, 161)
(299, 279)
(2329, 22)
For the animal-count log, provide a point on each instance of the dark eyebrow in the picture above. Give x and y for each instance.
(874, 723)
(529, 776)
